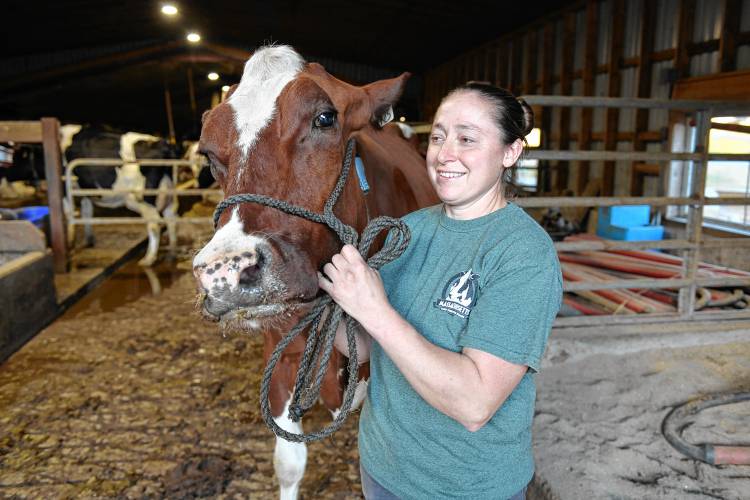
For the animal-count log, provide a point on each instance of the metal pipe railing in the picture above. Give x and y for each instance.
(696, 200)
(72, 192)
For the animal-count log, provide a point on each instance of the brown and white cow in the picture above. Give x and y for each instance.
(282, 132)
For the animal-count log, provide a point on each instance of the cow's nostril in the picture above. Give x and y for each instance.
(251, 276)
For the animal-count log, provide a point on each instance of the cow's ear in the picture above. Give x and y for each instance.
(383, 96)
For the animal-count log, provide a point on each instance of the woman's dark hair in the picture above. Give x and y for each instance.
(513, 117)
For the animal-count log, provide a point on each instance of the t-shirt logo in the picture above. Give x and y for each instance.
(459, 294)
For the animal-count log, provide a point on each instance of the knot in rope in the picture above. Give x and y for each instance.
(324, 317)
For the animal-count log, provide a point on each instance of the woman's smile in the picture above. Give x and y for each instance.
(445, 174)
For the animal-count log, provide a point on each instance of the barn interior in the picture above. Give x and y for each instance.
(638, 168)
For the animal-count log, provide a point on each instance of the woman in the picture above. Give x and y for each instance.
(456, 327)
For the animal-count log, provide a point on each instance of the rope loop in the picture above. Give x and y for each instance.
(322, 321)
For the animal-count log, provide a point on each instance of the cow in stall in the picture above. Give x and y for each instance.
(95, 142)
(282, 132)
(21, 170)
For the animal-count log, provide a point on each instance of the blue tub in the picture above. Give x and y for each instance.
(36, 215)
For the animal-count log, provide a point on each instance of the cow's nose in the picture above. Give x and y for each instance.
(233, 271)
(252, 274)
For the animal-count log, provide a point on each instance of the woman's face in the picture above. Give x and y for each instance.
(466, 157)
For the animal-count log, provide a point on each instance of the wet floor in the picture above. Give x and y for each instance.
(131, 395)
(127, 284)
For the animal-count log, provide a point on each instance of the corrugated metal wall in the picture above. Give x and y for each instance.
(697, 54)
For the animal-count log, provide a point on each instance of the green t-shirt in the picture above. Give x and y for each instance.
(493, 284)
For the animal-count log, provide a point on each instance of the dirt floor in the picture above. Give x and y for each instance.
(147, 401)
(131, 395)
(600, 407)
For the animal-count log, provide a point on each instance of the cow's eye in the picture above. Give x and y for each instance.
(217, 169)
(325, 119)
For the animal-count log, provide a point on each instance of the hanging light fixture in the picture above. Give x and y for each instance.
(169, 9)
(193, 37)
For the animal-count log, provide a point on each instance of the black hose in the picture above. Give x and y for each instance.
(680, 417)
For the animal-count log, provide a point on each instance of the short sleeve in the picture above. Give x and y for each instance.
(514, 312)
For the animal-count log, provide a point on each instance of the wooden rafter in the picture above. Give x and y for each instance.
(587, 114)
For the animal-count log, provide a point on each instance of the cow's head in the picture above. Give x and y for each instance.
(282, 132)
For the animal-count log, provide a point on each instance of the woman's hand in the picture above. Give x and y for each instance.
(354, 285)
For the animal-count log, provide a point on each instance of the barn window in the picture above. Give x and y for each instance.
(728, 134)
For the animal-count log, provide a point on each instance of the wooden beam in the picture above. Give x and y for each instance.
(663, 55)
(529, 77)
(516, 60)
(645, 74)
(615, 54)
(32, 80)
(21, 131)
(459, 73)
(697, 48)
(501, 56)
(566, 87)
(468, 64)
(53, 174)
(466, 61)
(684, 37)
(723, 86)
(587, 114)
(491, 59)
(645, 136)
(231, 53)
(732, 127)
(544, 180)
(729, 30)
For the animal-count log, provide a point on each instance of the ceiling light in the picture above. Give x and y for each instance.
(224, 88)
(213, 76)
(169, 10)
(193, 37)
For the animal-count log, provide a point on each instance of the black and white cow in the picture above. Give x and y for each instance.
(96, 142)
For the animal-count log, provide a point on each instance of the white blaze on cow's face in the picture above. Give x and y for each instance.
(266, 74)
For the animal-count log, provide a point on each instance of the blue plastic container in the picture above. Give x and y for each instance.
(632, 233)
(628, 216)
(35, 214)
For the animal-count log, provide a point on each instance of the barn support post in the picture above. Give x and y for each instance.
(195, 128)
(548, 63)
(566, 88)
(587, 114)
(648, 30)
(52, 171)
(694, 227)
(729, 32)
(170, 116)
(614, 89)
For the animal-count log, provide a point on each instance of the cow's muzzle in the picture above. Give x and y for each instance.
(253, 285)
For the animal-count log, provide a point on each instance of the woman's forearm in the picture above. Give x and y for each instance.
(449, 381)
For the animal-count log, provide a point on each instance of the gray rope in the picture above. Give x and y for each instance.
(319, 343)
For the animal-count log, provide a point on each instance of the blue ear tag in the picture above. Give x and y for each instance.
(360, 167)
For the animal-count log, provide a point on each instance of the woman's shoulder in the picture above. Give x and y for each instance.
(530, 228)
(521, 238)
